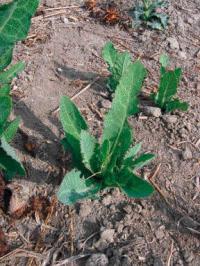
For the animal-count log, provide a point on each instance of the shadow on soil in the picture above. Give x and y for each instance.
(47, 147)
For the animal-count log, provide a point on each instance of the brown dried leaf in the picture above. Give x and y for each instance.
(91, 4)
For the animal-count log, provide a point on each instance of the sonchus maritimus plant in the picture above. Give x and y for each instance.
(112, 162)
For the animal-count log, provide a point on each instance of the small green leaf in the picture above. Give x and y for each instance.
(5, 56)
(5, 109)
(9, 161)
(135, 187)
(74, 188)
(11, 129)
(13, 71)
(88, 145)
(164, 60)
(168, 87)
(72, 123)
(142, 160)
(176, 104)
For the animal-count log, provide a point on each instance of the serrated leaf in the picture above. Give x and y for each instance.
(162, 18)
(15, 19)
(72, 123)
(118, 63)
(115, 159)
(164, 60)
(124, 104)
(134, 186)
(176, 104)
(13, 71)
(168, 87)
(11, 129)
(88, 146)
(155, 25)
(9, 161)
(142, 160)
(132, 152)
(5, 90)
(5, 56)
(5, 109)
(74, 188)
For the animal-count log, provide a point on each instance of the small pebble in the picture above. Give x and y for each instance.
(152, 111)
(97, 260)
(187, 154)
(173, 43)
(106, 104)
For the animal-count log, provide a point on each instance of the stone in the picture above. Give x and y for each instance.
(188, 256)
(173, 43)
(187, 154)
(190, 20)
(50, 3)
(106, 104)
(181, 24)
(171, 119)
(107, 200)
(97, 259)
(182, 55)
(20, 199)
(64, 19)
(160, 234)
(152, 111)
(85, 210)
(108, 235)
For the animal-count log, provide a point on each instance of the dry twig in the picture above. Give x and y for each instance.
(77, 94)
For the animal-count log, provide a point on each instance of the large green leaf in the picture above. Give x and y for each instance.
(74, 188)
(168, 87)
(15, 19)
(13, 71)
(176, 104)
(5, 56)
(9, 161)
(5, 90)
(134, 186)
(72, 123)
(124, 104)
(118, 63)
(5, 109)
(11, 129)
(88, 147)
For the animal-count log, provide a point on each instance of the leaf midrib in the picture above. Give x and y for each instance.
(12, 10)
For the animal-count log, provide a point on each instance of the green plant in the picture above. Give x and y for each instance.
(118, 64)
(112, 162)
(148, 13)
(169, 81)
(15, 19)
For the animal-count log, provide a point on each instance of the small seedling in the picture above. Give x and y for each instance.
(111, 162)
(15, 19)
(169, 81)
(150, 13)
